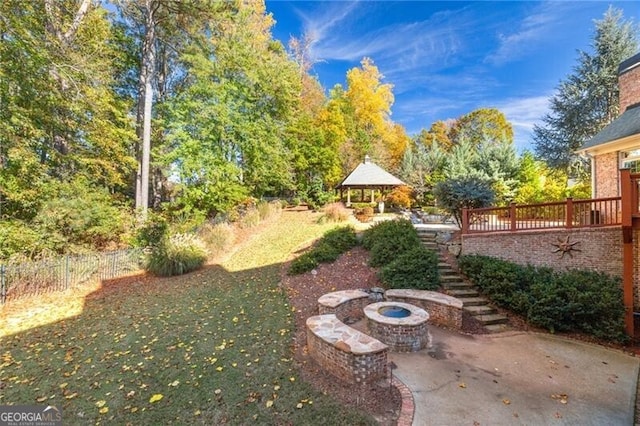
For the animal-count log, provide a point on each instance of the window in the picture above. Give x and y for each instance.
(631, 160)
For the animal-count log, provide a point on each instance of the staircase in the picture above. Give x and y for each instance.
(456, 286)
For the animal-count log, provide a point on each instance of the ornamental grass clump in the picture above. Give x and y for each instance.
(177, 255)
(336, 212)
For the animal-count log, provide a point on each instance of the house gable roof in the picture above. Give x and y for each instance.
(368, 174)
(628, 124)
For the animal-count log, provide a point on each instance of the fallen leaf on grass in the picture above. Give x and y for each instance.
(156, 397)
(269, 404)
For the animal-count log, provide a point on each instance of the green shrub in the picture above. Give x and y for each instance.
(18, 238)
(455, 194)
(177, 255)
(385, 230)
(577, 300)
(302, 264)
(415, 268)
(343, 238)
(152, 232)
(326, 253)
(332, 244)
(83, 216)
(387, 240)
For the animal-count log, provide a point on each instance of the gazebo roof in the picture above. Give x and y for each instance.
(368, 174)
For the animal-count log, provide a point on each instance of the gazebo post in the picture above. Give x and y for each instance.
(362, 195)
(348, 197)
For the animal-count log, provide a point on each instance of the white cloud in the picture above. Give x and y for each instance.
(535, 27)
(340, 34)
(524, 114)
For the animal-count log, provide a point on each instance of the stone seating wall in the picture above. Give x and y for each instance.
(345, 352)
(443, 310)
(347, 305)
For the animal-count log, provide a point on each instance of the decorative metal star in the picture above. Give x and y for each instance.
(565, 246)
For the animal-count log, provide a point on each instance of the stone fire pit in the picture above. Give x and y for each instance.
(401, 326)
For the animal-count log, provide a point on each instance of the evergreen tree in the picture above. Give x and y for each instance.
(588, 99)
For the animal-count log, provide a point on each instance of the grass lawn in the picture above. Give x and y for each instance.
(211, 347)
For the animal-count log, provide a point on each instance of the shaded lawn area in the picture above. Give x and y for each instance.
(211, 347)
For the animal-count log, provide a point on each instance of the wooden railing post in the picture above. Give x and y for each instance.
(512, 216)
(628, 208)
(626, 199)
(569, 213)
(465, 220)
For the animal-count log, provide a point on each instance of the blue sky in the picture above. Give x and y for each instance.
(446, 59)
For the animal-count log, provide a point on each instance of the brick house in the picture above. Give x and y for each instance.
(617, 146)
(606, 228)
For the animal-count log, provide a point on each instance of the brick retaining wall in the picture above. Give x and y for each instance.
(601, 248)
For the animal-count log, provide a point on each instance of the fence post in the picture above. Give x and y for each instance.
(569, 212)
(465, 220)
(512, 215)
(3, 285)
(66, 272)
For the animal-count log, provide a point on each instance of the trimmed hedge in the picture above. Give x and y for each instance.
(387, 240)
(576, 300)
(406, 263)
(415, 268)
(332, 244)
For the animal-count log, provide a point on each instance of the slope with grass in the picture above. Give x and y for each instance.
(211, 347)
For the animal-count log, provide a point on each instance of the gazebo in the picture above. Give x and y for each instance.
(368, 176)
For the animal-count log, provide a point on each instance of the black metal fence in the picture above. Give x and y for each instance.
(36, 277)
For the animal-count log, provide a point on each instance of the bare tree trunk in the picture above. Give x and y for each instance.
(145, 104)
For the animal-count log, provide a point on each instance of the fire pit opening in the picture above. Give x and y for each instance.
(394, 311)
(401, 326)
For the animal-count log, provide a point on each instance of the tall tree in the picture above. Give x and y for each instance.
(60, 116)
(370, 102)
(484, 125)
(588, 99)
(438, 132)
(226, 127)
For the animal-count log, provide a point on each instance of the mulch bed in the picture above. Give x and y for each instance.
(350, 271)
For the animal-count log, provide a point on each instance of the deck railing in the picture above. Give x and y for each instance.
(562, 214)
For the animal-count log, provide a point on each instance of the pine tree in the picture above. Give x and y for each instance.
(588, 99)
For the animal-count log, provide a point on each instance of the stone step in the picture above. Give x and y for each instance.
(462, 293)
(497, 328)
(474, 301)
(448, 272)
(457, 285)
(491, 319)
(450, 278)
(480, 310)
